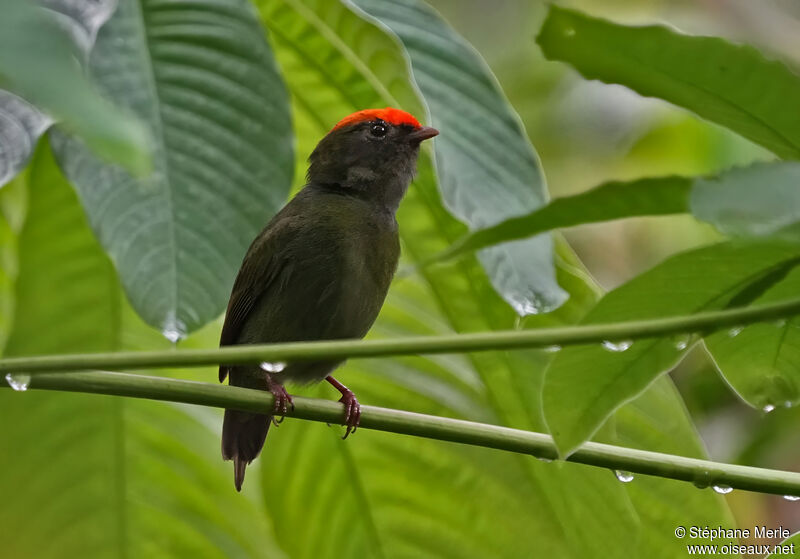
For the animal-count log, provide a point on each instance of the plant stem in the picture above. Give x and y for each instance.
(341, 349)
(702, 472)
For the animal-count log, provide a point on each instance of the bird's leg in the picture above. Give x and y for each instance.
(352, 409)
(282, 398)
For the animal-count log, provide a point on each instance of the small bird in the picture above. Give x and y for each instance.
(321, 268)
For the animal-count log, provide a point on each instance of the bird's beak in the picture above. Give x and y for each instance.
(422, 133)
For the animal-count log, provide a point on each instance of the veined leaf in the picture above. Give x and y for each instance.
(395, 496)
(761, 362)
(756, 200)
(486, 167)
(611, 200)
(13, 206)
(39, 65)
(584, 385)
(202, 77)
(95, 476)
(732, 85)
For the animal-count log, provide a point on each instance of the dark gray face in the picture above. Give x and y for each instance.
(366, 156)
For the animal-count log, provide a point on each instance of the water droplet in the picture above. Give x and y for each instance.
(780, 323)
(569, 32)
(787, 404)
(18, 382)
(722, 489)
(623, 345)
(735, 331)
(544, 459)
(768, 408)
(682, 342)
(552, 348)
(791, 497)
(623, 476)
(530, 303)
(173, 329)
(275, 367)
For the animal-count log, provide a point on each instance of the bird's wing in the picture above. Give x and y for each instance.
(260, 269)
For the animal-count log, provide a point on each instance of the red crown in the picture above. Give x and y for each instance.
(390, 115)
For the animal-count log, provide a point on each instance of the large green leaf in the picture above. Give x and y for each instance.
(761, 362)
(732, 85)
(756, 200)
(486, 168)
(584, 385)
(99, 476)
(202, 77)
(394, 496)
(39, 65)
(611, 200)
(21, 124)
(13, 202)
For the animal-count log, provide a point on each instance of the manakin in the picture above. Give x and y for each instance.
(321, 267)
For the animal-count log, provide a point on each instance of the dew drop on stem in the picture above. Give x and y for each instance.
(791, 498)
(617, 347)
(623, 476)
(722, 489)
(682, 342)
(18, 382)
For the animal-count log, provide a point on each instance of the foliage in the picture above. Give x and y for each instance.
(93, 257)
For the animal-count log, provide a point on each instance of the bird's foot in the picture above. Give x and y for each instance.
(352, 409)
(283, 400)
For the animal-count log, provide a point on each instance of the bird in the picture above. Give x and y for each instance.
(321, 268)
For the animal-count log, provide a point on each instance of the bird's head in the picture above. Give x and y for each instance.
(373, 151)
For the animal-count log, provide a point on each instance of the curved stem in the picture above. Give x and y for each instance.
(703, 323)
(701, 472)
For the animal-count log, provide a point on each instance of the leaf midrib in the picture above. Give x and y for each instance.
(158, 125)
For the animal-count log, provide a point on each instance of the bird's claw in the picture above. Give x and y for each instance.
(352, 412)
(283, 401)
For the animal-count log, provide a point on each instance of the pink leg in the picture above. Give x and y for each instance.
(352, 409)
(282, 399)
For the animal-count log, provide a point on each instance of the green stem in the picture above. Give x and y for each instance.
(702, 472)
(704, 322)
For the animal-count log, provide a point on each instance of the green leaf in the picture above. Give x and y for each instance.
(732, 85)
(203, 78)
(610, 200)
(756, 200)
(395, 496)
(584, 385)
(13, 206)
(761, 362)
(100, 476)
(788, 546)
(487, 169)
(38, 64)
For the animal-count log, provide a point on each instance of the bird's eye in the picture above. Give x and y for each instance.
(378, 130)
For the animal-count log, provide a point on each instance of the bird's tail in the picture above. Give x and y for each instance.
(243, 436)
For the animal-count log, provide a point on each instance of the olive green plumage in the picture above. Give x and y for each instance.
(322, 266)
